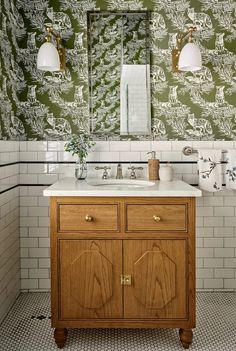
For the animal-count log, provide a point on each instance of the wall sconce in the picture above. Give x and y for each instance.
(186, 57)
(51, 57)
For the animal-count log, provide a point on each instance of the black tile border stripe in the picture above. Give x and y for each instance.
(110, 162)
(96, 162)
(8, 189)
(18, 185)
(35, 184)
(9, 164)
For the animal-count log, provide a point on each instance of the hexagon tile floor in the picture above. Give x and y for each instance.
(27, 328)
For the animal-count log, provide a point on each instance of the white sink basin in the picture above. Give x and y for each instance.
(127, 183)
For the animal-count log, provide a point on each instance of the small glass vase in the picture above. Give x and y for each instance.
(80, 169)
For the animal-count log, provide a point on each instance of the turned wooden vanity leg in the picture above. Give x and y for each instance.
(186, 337)
(60, 336)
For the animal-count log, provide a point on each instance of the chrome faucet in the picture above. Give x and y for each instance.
(132, 174)
(119, 174)
(105, 173)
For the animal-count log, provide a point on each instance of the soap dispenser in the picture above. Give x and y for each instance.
(153, 166)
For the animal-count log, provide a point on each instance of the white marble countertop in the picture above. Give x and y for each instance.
(72, 187)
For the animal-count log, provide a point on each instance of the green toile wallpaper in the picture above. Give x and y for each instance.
(35, 105)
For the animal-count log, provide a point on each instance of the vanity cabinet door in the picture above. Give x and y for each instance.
(159, 271)
(89, 279)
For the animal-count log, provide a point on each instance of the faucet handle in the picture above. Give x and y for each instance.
(133, 169)
(105, 167)
(105, 173)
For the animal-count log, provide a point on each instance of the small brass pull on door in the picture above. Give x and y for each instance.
(126, 279)
(156, 218)
(88, 218)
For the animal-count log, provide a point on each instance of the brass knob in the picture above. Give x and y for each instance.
(88, 218)
(156, 218)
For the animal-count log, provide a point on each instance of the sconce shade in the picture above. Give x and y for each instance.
(190, 58)
(48, 58)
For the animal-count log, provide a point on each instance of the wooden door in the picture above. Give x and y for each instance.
(90, 279)
(159, 270)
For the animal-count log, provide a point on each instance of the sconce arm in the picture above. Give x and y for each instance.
(56, 35)
(182, 36)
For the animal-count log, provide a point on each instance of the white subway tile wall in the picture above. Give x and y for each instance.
(216, 223)
(9, 226)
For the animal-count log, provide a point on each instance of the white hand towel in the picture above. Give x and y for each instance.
(209, 166)
(134, 100)
(231, 170)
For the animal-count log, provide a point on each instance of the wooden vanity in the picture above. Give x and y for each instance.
(123, 262)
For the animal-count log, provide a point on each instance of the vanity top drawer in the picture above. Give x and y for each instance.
(156, 217)
(88, 217)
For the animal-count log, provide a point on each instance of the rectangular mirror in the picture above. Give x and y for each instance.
(119, 73)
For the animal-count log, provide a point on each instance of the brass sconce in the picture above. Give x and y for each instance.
(186, 57)
(51, 57)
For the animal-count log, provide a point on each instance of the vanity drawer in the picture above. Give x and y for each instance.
(156, 217)
(88, 217)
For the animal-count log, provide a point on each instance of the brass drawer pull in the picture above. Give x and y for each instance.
(156, 218)
(88, 218)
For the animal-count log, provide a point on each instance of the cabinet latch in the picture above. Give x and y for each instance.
(125, 279)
